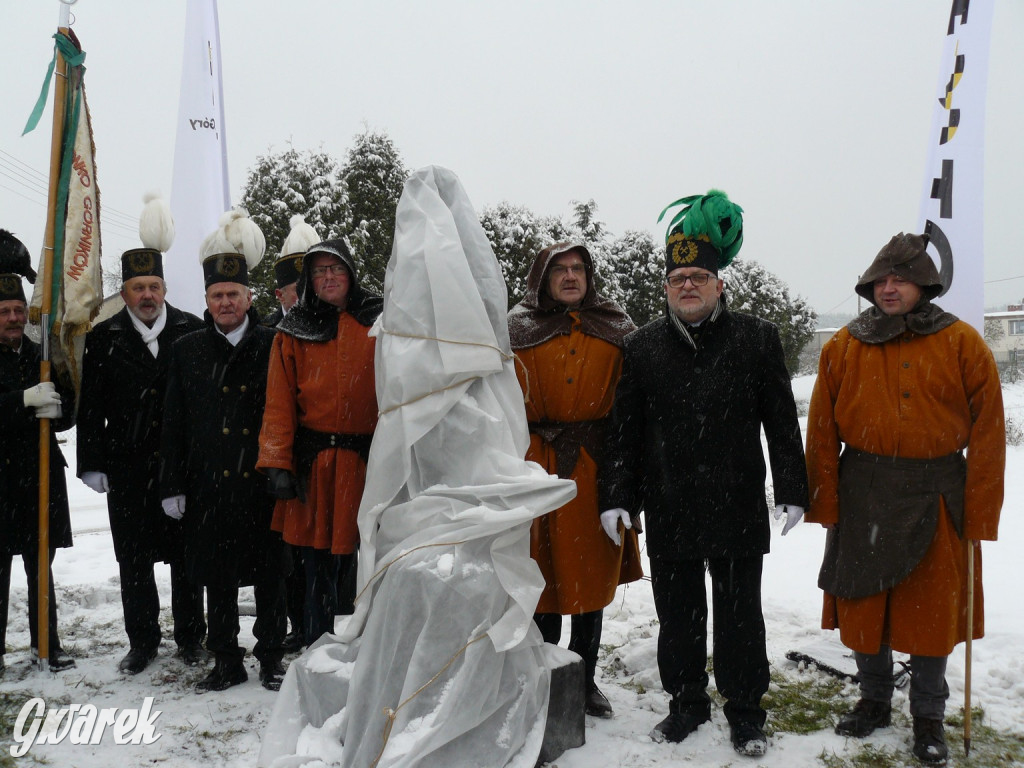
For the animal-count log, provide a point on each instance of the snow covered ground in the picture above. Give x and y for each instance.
(224, 729)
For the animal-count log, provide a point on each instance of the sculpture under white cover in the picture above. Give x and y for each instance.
(441, 663)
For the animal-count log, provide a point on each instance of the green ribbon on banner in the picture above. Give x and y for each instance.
(72, 114)
(74, 58)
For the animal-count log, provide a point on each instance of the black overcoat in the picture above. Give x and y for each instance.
(212, 417)
(19, 456)
(120, 413)
(685, 444)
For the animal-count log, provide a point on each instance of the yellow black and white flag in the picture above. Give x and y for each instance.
(952, 207)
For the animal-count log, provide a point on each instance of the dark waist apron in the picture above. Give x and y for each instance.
(888, 512)
(567, 437)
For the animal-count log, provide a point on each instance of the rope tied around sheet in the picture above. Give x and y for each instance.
(384, 567)
(505, 356)
(392, 714)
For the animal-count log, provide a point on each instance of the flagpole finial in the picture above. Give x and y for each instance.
(65, 13)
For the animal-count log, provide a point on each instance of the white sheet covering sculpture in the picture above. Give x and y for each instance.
(441, 663)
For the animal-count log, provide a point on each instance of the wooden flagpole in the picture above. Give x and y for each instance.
(46, 269)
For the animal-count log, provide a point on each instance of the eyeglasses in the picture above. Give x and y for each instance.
(576, 269)
(698, 280)
(334, 269)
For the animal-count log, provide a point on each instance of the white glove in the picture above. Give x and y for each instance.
(97, 481)
(42, 394)
(174, 506)
(49, 411)
(793, 515)
(610, 523)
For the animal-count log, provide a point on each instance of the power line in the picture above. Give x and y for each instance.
(837, 306)
(19, 177)
(26, 197)
(40, 182)
(25, 166)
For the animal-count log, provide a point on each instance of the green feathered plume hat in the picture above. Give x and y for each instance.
(706, 233)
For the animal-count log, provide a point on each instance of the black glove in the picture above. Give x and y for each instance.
(281, 484)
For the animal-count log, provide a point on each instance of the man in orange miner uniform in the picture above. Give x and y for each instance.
(319, 421)
(907, 387)
(569, 339)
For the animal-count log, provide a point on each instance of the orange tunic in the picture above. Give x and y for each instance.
(328, 387)
(573, 378)
(914, 397)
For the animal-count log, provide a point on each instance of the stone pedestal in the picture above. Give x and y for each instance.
(565, 724)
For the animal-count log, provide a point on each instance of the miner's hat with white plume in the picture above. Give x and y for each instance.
(236, 247)
(15, 263)
(706, 233)
(300, 239)
(156, 230)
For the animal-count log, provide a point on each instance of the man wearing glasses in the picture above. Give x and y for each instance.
(697, 387)
(569, 340)
(319, 421)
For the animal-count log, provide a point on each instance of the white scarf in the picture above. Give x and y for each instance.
(236, 335)
(149, 334)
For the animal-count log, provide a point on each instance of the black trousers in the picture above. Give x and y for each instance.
(269, 628)
(31, 563)
(295, 589)
(584, 635)
(348, 574)
(141, 604)
(321, 569)
(928, 688)
(738, 644)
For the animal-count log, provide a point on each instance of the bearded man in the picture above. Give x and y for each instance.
(124, 380)
(697, 387)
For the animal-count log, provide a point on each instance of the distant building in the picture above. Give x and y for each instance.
(1004, 333)
(812, 351)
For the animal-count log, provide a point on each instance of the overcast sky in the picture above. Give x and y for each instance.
(814, 116)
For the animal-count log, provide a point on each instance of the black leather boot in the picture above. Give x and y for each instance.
(865, 716)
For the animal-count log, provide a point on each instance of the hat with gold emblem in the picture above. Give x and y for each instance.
(300, 239)
(156, 230)
(706, 233)
(236, 247)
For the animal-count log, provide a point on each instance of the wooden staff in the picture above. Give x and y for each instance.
(967, 648)
(46, 309)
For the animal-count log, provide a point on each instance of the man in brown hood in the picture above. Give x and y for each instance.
(907, 387)
(569, 340)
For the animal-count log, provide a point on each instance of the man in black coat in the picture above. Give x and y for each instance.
(697, 387)
(23, 401)
(213, 413)
(120, 414)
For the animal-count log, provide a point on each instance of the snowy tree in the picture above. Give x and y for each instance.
(588, 229)
(637, 265)
(753, 289)
(591, 229)
(517, 235)
(994, 330)
(374, 176)
(281, 185)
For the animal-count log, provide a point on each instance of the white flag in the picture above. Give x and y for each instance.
(952, 206)
(199, 191)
